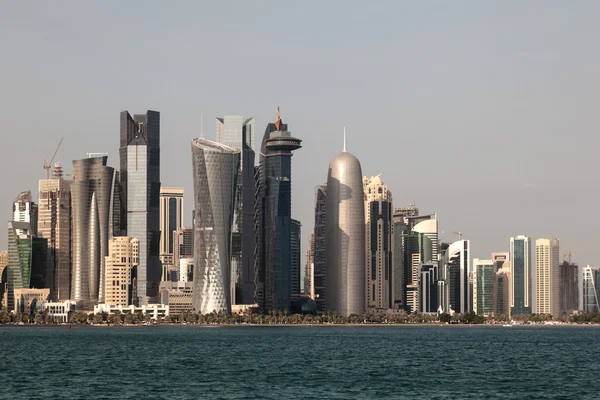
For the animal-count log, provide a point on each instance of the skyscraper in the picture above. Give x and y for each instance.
(502, 290)
(295, 258)
(215, 183)
(25, 210)
(229, 132)
(520, 261)
(319, 254)
(171, 216)
(484, 276)
(54, 224)
(140, 187)
(274, 213)
(345, 236)
(120, 274)
(309, 269)
(569, 287)
(499, 259)
(591, 289)
(27, 261)
(547, 276)
(378, 241)
(92, 195)
(428, 288)
(183, 244)
(458, 268)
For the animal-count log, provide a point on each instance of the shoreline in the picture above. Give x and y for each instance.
(442, 325)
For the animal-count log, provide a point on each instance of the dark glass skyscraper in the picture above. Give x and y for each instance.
(274, 209)
(319, 246)
(295, 263)
(140, 195)
(520, 261)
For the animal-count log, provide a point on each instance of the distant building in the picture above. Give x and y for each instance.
(155, 311)
(309, 268)
(54, 224)
(178, 296)
(93, 192)
(499, 259)
(520, 261)
(319, 266)
(215, 182)
(345, 236)
(140, 187)
(379, 274)
(274, 215)
(25, 210)
(569, 287)
(591, 289)
(547, 276)
(406, 212)
(3, 277)
(183, 244)
(27, 266)
(502, 288)
(458, 268)
(121, 270)
(295, 258)
(484, 276)
(428, 288)
(186, 270)
(171, 217)
(420, 247)
(27, 300)
(59, 311)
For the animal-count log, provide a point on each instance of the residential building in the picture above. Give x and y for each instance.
(379, 274)
(215, 182)
(547, 276)
(345, 236)
(121, 267)
(295, 258)
(520, 261)
(140, 193)
(25, 210)
(93, 192)
(569, 287)
(484, 277)
(274, 215)
(178, 296)
(591, 289)
(54, 224)
(319, 267)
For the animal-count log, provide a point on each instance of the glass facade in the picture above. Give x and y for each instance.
(483, 289)
(591, 289)
(520, 258)
(215, 183)
(295, 259)
(319, 247)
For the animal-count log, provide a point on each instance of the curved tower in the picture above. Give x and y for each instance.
(215, 182)
(345, 237)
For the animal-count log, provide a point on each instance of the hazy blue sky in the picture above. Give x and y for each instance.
(480, 111)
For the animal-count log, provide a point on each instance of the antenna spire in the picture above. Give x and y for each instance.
(344, 139)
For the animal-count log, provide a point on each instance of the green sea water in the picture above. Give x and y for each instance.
(194, 362)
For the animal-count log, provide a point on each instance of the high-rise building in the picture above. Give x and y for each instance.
(379, 274)
(54, 224)
(458, 268)
(229, 132)
(25, 210)
(186, 270)
(547, 276)
(140, 195)
(3, 277)
(591, 289)
(309, 269)
(295, 258)
(420, 246)
(405, 212)
(484, 276)
(319, 254)
(502, 290)
(215, 168)
(92, 197)
(428, 288)
(274, 214)
(569, 287)
(120, 264)
(183, 244)
(520, 261)
(499, 259)
(27, 261)
(171, 216)
(345, 236)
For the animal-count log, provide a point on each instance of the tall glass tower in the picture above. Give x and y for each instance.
(140, 191)
(520, 261)
(274, 213)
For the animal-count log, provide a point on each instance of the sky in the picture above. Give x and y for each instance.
(485, 113)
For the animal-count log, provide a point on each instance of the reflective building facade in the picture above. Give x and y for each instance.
(274, 218)
(92, 195)
(140, 186)
(215, 183)
(520, 261)
(457, 275)
(345, 237)
(591, 289)
(318, 268)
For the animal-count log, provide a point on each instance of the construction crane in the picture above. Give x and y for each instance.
(565, 255)
(48, 165)
(459, 235)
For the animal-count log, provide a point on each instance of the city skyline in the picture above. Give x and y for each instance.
(496, 86)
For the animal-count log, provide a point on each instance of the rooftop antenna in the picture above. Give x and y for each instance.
(344, 139)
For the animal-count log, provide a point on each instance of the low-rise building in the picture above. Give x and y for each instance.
(59, 311)
(25, 299)
(154, 310)
(177, 295)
